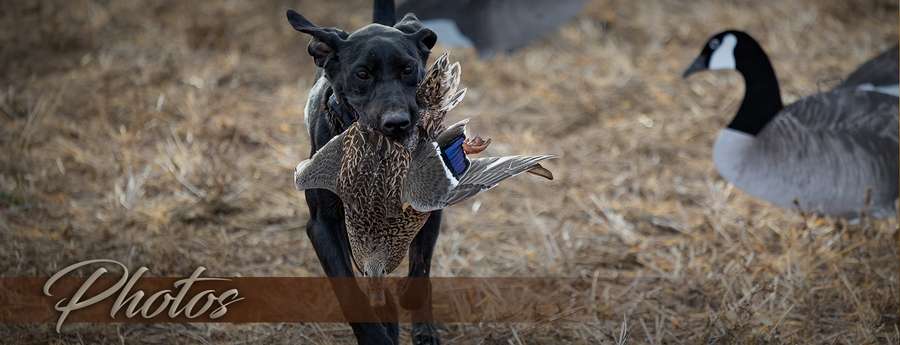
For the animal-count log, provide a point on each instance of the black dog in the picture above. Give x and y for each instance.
(368, 76)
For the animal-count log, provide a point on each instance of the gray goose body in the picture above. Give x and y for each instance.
(833, 153)
(823, 154)
(492, 26)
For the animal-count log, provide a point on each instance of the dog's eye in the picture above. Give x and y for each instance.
(363, 75)
(407, 70)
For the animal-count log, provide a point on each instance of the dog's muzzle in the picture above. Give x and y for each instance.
(396, 124)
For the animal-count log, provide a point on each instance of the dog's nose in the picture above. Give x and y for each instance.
(395, 123)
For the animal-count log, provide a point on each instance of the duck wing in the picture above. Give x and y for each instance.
(322, 169)
(431, 185)
(449, 135)
(429, 179)
(486, 173)
(438, 93)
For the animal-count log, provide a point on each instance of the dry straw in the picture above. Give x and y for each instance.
(165, 134)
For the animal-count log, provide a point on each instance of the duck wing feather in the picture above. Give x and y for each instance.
(322, 169)
(430, 185)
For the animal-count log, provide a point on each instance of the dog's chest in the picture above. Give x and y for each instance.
(373, 170)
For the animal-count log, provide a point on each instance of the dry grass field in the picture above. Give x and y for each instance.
(165, 133)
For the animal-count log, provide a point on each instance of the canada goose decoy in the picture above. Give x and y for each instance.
(389, 190)
(880, 74)
(832, 153)
(492, 26)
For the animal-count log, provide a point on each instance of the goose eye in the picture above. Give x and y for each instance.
(363, 75)
(714, 43)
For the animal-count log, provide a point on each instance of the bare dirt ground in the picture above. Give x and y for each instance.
(165, 133)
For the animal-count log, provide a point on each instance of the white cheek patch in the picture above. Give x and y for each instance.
(723, 56)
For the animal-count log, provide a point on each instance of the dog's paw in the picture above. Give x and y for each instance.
(425, 334)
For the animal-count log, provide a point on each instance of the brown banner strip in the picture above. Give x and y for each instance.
(282, 299)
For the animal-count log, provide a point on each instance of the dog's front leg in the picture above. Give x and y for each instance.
(416, 295)
(329, 239)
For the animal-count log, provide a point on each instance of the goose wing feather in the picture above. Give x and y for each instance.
(863, 117)
(883, 69)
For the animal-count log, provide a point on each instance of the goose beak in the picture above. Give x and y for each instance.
(698, 65)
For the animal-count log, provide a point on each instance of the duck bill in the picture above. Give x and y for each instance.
(375, 287)
(698, 65)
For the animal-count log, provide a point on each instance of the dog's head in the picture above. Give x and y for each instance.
(375, 70)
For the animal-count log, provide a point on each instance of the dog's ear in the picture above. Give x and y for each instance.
(413, 28)
(325, 40)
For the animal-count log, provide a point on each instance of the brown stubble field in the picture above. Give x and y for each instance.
(164, 134)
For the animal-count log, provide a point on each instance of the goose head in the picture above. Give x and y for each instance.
(737, 50)
(727, 50)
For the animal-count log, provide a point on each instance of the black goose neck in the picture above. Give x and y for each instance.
(762, 97)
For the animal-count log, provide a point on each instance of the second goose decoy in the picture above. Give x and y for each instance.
(389, 190)
(492, 26)
(880, 74)
(833, 153)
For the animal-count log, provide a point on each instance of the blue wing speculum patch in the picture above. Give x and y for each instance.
(454, 156)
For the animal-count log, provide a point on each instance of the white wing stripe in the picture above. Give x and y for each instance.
(447, 172)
